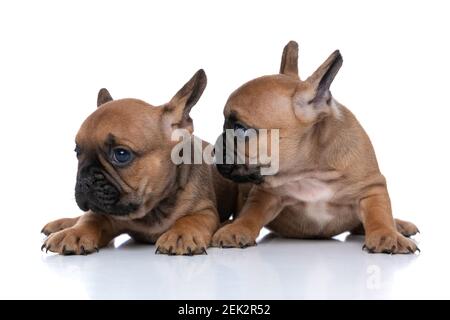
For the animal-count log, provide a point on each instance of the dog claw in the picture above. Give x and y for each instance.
(157, 251)
(412, 250)
(96, 249)
(364, 247)
(204, 251)
(42, 247)
(243, 246)
(47, 248)
(83, 251)
(67, 252)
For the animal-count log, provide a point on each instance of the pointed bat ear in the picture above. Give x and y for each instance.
(289, 60)
(103, 97)
(315, 100)
(181, 104)
(322, 78)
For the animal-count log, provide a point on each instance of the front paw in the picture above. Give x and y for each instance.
(183, 241)
(234, 235)
(72, 241)
(387, 241)
(58, 225)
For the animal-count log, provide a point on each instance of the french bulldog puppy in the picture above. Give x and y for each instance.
(328, 180)
(128, 183)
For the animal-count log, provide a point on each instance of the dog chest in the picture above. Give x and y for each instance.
(318, 212)
(314, 196)
(308, 190)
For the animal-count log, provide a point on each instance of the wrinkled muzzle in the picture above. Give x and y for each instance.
(93, 191)
(226, 163)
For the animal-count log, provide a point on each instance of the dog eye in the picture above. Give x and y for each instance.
(238, 126)
(242, 131)
(121, 156)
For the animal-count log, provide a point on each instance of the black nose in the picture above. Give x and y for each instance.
(82, 204)
(220, 151)
(94, 190)
(81, 194)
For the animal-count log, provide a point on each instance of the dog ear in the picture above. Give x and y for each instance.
(103, 97)
(322, 78)
(289, 60)
(181, 104)
(313, 97)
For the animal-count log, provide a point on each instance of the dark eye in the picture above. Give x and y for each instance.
(238, 126)
(121, 156)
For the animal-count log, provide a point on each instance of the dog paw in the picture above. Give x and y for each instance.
(387, 241)
(58, 225)
(72, 241)
(234, 235)
(406, 228)
(183, 242)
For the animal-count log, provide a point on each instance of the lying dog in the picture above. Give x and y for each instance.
(128, 183)
(328, 180)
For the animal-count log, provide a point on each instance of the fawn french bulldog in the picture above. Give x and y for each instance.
(127, 183)
(328, 180)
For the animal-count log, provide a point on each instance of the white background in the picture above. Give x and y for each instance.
(55, 55)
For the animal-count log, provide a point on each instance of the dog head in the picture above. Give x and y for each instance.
(283, 102)
(124, 151)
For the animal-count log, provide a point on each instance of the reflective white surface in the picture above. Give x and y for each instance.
(394, 78)
(275, 269)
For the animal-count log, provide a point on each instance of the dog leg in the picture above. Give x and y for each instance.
(260, 209)
(91, 232)
(59, 225)
(190, 234)
(379, 225)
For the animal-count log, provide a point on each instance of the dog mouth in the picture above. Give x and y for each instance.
(241, 173)
(93, 191)
(238, 172)
(115, 210)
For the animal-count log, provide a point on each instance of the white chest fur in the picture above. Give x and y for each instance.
(319, 213)
(314, 194)
(308, 190)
